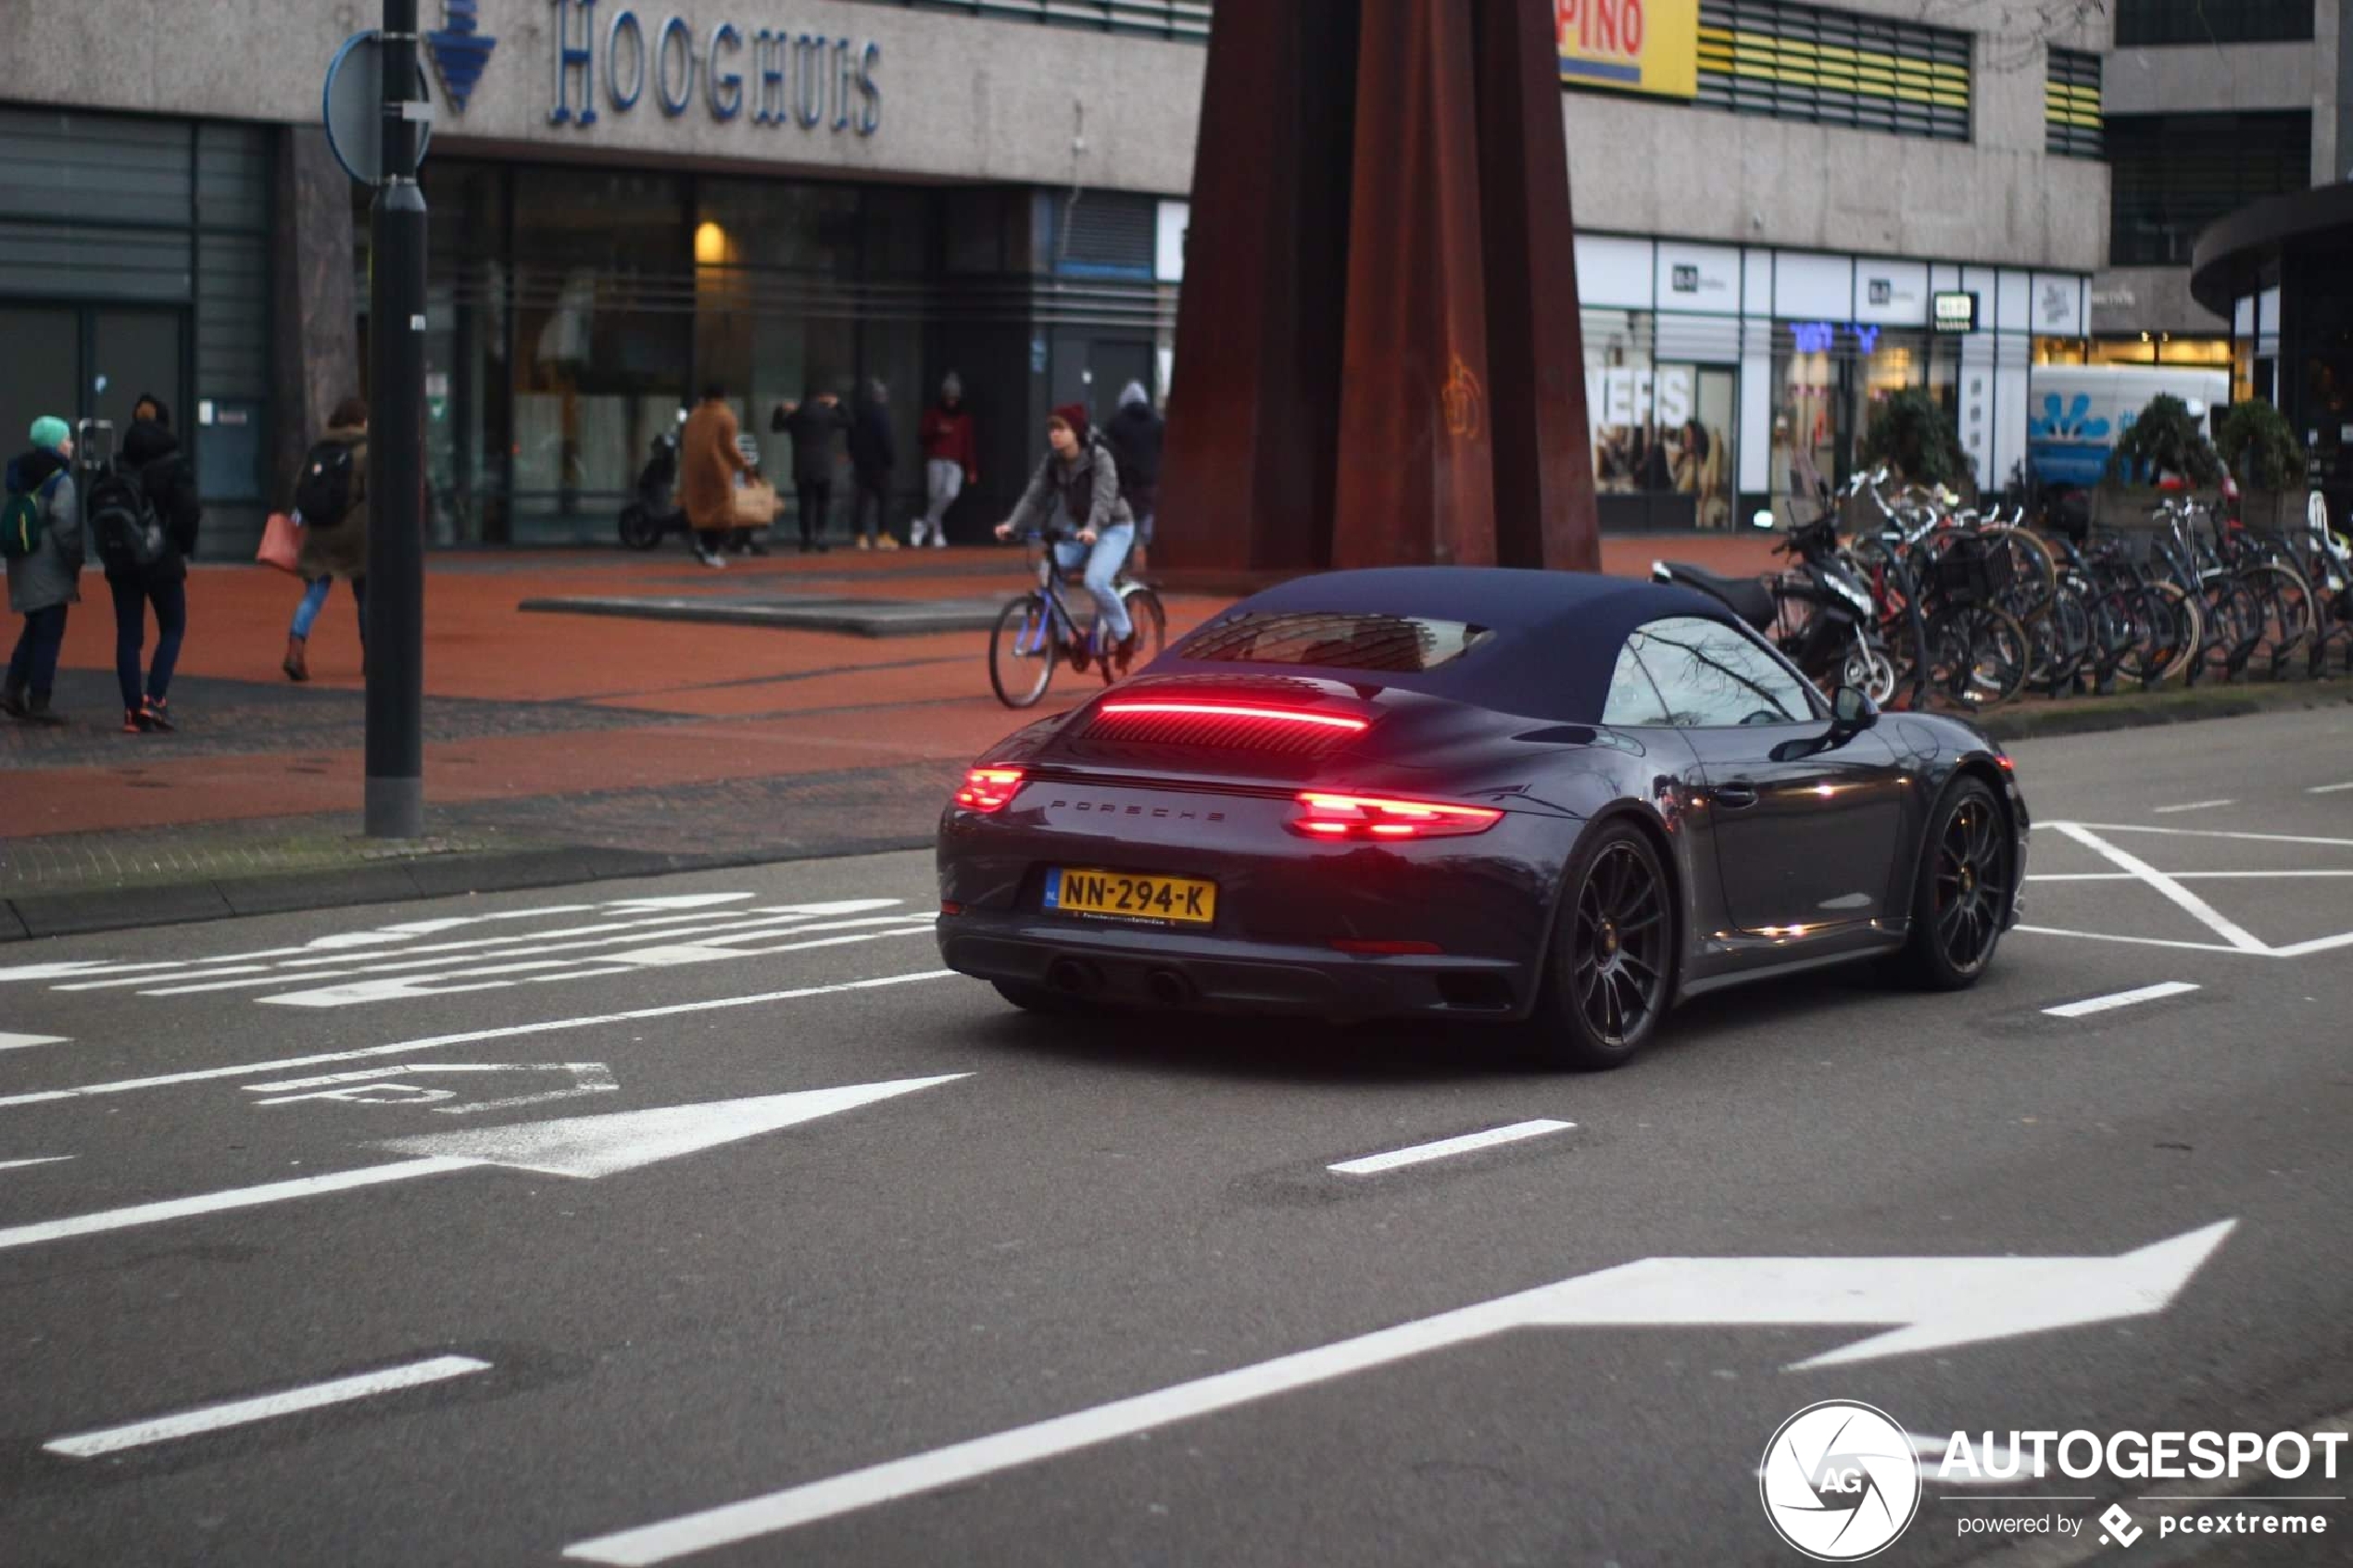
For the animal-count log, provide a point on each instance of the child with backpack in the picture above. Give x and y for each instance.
(331, 501)
(41, 537)
(146, 556)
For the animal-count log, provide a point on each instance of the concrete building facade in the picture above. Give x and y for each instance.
(1787, 213)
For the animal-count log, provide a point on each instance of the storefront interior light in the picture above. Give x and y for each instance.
(710, 244)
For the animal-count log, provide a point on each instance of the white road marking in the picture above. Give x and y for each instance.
(468, 1037)
(2109, 936)
(18, 1042)
(584, 1146)
(2193, 806)
(45, 1160)
(2211, 832)
(2188, 902)
(2329, 789)
(1372, 1164)
(1940, 1302)
(244, 1413)
(383, 1086)
(2180, 876)
(2122, 1000)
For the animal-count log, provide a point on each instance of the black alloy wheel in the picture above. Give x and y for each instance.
(1613, 953)
(1968, 880)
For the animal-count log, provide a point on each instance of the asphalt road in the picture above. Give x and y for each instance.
(656, 1315)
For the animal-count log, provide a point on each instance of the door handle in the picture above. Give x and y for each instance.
(1735, 796)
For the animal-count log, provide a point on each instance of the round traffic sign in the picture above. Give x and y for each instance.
(353, 108)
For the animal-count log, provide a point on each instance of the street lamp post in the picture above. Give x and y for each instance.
(396, 802)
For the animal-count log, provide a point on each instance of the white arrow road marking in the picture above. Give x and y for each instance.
(1372, 1164)
(581, 1146)
(2188, 902)
(244, 1413)
(2122, 1000)
(18, 1042)
(1941, 1301)
(368, 1086)
(468, 1037)
(44, 1160)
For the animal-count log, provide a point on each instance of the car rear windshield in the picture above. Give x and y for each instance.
(1330, 640)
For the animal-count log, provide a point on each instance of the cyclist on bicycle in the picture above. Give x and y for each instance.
(1074, 497)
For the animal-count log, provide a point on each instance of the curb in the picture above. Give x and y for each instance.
(2101, 715)
(127, 908)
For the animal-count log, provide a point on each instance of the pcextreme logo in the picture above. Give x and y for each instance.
(461, 49)
(1840, 1481)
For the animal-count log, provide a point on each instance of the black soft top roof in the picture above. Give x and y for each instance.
(1557, 632)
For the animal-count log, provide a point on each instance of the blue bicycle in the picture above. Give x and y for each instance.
(1037, 629)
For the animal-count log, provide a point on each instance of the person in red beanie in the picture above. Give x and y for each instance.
(1074, 498)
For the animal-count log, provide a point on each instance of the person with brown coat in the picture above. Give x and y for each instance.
(335, 527)
(708, 461)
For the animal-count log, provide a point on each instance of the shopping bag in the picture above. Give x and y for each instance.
(756, 505)
(280, 542)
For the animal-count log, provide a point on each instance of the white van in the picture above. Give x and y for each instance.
(2075, 412)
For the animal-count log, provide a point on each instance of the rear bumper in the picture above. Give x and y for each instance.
(1155, 968)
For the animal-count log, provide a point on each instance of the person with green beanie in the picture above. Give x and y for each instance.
(47, 579)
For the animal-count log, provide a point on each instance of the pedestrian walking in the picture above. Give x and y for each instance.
(40, 536)
(152, 459)
(1074, 500)
(816, 424)
(952, 460)
(708, 460)
(331, 502)
(873, 455)
(1135, 433)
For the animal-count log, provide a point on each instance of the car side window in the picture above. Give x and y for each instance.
(1634, 697)
(1712, 677)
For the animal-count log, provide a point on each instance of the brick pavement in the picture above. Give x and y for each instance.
(555, 745)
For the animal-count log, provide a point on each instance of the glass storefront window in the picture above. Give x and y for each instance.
(1663, 426)
(2058, 351)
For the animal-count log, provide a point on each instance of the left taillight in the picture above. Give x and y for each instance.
(1368, 817)
(989, 789)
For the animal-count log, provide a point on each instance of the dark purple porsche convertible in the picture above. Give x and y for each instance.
(1559, 800)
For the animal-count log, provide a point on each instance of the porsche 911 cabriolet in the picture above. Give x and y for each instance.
(1552, 799)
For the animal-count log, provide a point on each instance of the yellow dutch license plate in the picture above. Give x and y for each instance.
(1172, 900)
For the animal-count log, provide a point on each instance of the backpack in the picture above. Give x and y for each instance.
(22, 520)
(128, 535)
(323, 493)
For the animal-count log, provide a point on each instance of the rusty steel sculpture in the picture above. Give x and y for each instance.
(1377, 358)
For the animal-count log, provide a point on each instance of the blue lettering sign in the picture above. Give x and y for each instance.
(570, 57)
(870, 117)
(726, 88)
(674, 31)
(1866, 338)
(1813, 337)
(625, 25)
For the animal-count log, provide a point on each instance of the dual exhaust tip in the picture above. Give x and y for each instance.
(1078, 977)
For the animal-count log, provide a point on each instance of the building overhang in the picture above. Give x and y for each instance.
(2228, 262)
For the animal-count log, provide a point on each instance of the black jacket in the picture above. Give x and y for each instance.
(814, 428)
(153, 453)
(1135, 434)
(873, 451)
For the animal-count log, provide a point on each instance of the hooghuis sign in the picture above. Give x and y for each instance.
(770, 76)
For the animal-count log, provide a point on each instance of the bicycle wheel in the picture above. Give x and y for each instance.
(1149, 619)
(2061, 639)
(1022, 649)
(2184, 625)
(2288, 619)
(2233, 624)
(1979, 656)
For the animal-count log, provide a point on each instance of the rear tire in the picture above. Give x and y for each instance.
(1967, 883)
(1609, 978)
(639, 531)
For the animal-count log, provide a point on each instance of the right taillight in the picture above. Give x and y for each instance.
(989, 789)
(1326, 815)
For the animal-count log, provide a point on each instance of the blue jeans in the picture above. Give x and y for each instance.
(1103, 562)
(33, 667)
(130, 601)
(314, 599)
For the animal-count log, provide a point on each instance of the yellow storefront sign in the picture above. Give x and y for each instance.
(1634, 45)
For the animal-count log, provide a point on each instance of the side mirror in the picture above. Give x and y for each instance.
(1762, 518)
(1852, 710)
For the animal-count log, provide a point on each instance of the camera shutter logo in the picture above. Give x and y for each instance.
(1840, 1482)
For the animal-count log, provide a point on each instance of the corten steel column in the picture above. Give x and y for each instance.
(1544, 511)
(1254, 412)
(1416, 451)
(1377, 359)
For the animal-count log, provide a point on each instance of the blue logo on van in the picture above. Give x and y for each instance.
(2067, 445)
(460, 50)
(2074, 424)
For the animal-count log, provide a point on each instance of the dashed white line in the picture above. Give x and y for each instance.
(2193, 806)
(1372, 1164)
(244, 1413)
(2329, 789)
(471, 1036)
(18, 1042)
(2122, 1000)
(44, 1160)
